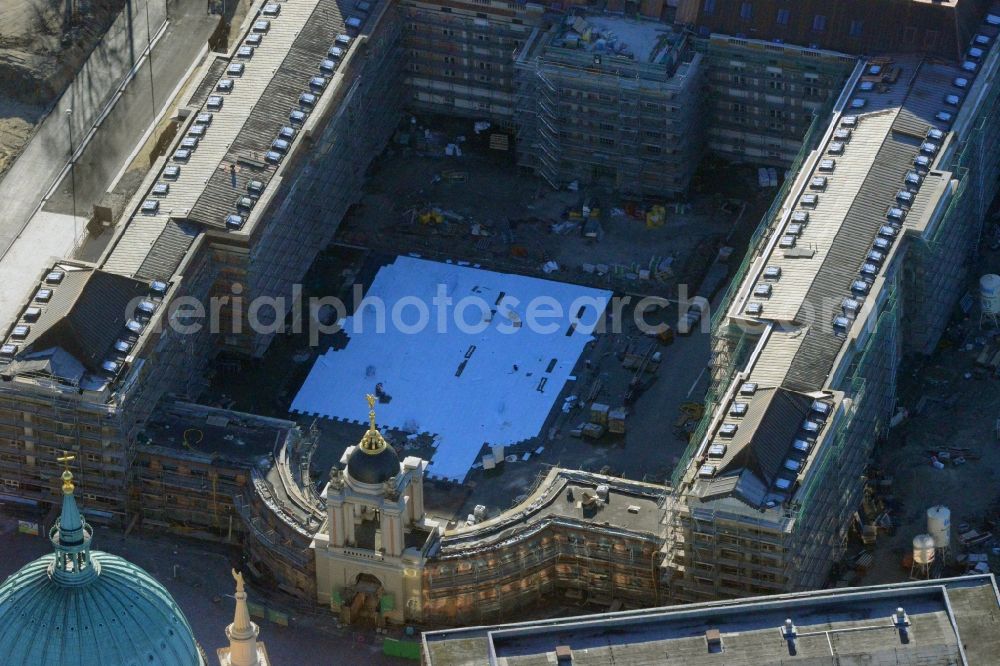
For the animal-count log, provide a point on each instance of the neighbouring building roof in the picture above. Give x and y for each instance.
(945, 622)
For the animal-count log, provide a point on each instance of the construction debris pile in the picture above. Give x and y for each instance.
(637, 40)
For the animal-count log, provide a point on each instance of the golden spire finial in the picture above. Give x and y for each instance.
(67, 476)
(372, 442)
(371, 410)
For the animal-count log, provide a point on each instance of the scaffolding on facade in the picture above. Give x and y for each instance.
(630, 124)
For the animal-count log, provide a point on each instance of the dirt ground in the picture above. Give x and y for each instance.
(502, 218)
(41, 49)
(954, 407)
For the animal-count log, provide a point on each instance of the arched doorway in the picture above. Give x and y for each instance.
(364, 603)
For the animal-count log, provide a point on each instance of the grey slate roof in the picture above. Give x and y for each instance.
(85, 316)
(765, 435)
(167, 252)
(812, 364)
(269, 115)
(207, 84)
(151, 248)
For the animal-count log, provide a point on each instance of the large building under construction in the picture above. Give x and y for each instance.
(810, 338)
(612, 101)
(892, 165)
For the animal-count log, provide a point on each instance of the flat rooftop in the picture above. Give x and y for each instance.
(569, 497)
(645, 41)
(477, 372)
(208, 433)
(946, 622)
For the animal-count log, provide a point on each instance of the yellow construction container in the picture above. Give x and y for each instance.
(656, 216)
(431, 216)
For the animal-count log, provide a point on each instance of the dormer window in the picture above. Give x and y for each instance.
(820, 407)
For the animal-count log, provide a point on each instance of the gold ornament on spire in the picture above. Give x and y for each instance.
(372, 442)
(238, 577)
(67, 476)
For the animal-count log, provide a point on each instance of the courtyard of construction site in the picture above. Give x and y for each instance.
(474, 208)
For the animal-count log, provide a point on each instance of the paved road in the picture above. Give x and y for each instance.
(34, 172)
(188, 30)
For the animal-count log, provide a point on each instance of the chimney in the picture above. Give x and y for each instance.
(714, 640)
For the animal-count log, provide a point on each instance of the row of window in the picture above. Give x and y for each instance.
(451, 73)
(784, 17)
(771, 84)
(419, 96)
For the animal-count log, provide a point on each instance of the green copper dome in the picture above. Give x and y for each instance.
(78, 607)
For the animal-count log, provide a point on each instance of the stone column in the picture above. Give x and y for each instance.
(392, 531)
(348, 521)
(335, 513)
